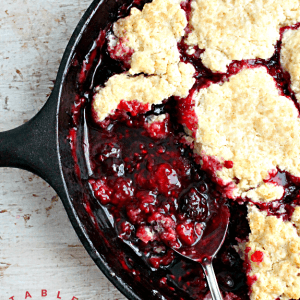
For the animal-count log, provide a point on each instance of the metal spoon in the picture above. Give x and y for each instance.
(206, 249)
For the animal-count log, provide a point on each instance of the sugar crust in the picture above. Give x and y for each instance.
(152, 89)
(239, 29)
(247, 121)
(278, 274)
(290, 58)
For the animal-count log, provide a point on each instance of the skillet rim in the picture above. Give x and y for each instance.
(63, 191)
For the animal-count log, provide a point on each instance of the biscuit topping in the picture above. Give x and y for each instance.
(242, 29)
(274, 256)
(246, 121)
(290, 58)
(153, 34)
(147, 90)
(147, 42)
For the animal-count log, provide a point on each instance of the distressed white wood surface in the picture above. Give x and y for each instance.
(38, 247)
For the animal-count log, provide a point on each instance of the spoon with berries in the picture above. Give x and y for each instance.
(211, 234)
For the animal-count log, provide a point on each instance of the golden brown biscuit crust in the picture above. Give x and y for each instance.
(277, 274)
(147, 90)
(247, 121)
(153, 34)
(239, 29)
(290, 58)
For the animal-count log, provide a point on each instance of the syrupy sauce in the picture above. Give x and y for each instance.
(150, 182)
(146, 176)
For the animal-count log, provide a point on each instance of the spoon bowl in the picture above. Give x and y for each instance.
(205, 250)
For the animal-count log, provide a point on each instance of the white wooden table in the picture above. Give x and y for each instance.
(38, 247)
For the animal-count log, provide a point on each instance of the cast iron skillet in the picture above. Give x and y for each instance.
(41, 146)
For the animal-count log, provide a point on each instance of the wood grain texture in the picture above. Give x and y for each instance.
(38, 247)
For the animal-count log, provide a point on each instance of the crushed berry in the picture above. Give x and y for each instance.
(186, 233)
(228, 164)
(257, 256)
(159, 130)
(251, 280)
(120, 52)
(134, 107)
(145, 234)
(194, 205)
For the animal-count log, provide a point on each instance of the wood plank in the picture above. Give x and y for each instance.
(38, 247)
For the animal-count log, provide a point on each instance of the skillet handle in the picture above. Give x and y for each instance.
(33, 145)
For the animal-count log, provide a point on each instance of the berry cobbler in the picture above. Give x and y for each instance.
(191, 106)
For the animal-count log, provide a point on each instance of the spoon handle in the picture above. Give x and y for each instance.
(212, 281)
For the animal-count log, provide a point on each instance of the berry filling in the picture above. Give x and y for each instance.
(146, 175)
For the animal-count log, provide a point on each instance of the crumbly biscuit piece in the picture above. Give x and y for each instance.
(296, 219)
(246, 121)
(239, 29)
(153, 34)
(290, 58)
(153, 119)
(276, 272)
(152, 89)
(266, 192)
